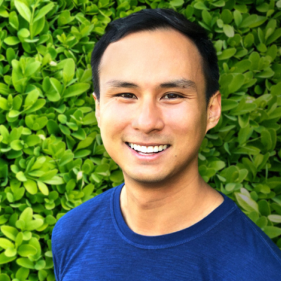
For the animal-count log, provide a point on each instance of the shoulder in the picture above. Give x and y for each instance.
(247, 248)
(77, 221)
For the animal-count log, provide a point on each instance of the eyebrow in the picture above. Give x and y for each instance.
(178, 83)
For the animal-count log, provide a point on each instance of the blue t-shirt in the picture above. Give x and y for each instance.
(93, 242)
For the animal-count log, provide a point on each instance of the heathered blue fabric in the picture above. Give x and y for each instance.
(93, 242)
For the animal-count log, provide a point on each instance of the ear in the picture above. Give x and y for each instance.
(97, 111)
(214, 111)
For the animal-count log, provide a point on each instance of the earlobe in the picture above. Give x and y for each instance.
(97, 110)
(214, 111)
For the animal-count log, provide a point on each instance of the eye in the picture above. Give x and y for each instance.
(127, 96)
(172, 96)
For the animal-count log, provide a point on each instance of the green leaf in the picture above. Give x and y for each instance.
(237, 17)
(64, 129)
(43, 11)
(55, 180)
(50, 220)
(9, 231)
(11, 41)
(13, 20)
(200, 6)
(36, 106)
(5, 243)
(10, 54)
(228, 104)
(21, 176)
(68, 71)
(43, 188)
(66, 158)
(272, 38)
(4, 133)
(176, 3)
(23, 9)
(117, 176)
(207, 18)
(264, 207)
(272, 231)
(76, 90)
(82, 153)
(32, 140)
(31, 98)
(247, 150)
(274, 114)
(4, 104)
(4, 277)
(84, 143)
(30, 186)
(90, 119)
(247, 203)
(3, 14)
(14, 113)
(25, 262)
(40, 265)
(248, 21)
(48, 176)
(4, 259)
(34, 224)
(236, 83)
(26, 215)
(38, 163)
(23, 33)
(31, 69)
(22, 273)
(228, 30)
(216, 165)
(16, 145)
(273, 218)
(103, 170)
(227, 54)
(26, 250)
(4, 89)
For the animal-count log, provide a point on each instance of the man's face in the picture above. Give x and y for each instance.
(152, 108)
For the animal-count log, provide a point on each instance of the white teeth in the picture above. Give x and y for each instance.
(148, 149)
(143, 149)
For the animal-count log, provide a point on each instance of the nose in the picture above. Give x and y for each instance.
(148, 116)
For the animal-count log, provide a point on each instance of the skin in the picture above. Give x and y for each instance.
(165, 194)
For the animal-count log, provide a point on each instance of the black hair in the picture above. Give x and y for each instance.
(154, 19)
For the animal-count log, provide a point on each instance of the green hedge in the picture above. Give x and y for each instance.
(51, 154)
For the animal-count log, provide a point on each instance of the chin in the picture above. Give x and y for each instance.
(153, 178)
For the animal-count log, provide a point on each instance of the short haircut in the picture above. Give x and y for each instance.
(155, 19)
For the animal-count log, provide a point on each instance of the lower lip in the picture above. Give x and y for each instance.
(147, 157)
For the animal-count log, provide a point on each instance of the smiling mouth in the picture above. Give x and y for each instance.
(146, 150)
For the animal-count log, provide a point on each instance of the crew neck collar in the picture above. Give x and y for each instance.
(171, 239)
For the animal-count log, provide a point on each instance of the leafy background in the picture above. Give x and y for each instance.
(51, 154)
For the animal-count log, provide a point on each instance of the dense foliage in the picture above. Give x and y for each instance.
(51, 154)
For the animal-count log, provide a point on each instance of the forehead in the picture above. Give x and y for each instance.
(150, 58)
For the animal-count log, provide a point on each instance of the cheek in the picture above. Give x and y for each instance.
(113, 121)
(187, 124)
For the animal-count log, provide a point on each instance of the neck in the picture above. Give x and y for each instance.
(167, 208)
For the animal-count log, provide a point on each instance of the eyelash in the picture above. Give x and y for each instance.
(122, 95)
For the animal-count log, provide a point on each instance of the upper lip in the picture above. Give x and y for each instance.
(147, 144)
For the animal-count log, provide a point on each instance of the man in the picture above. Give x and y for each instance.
(156, 91)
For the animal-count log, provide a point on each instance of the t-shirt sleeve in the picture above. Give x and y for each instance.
(55, 268)
(56, 246)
